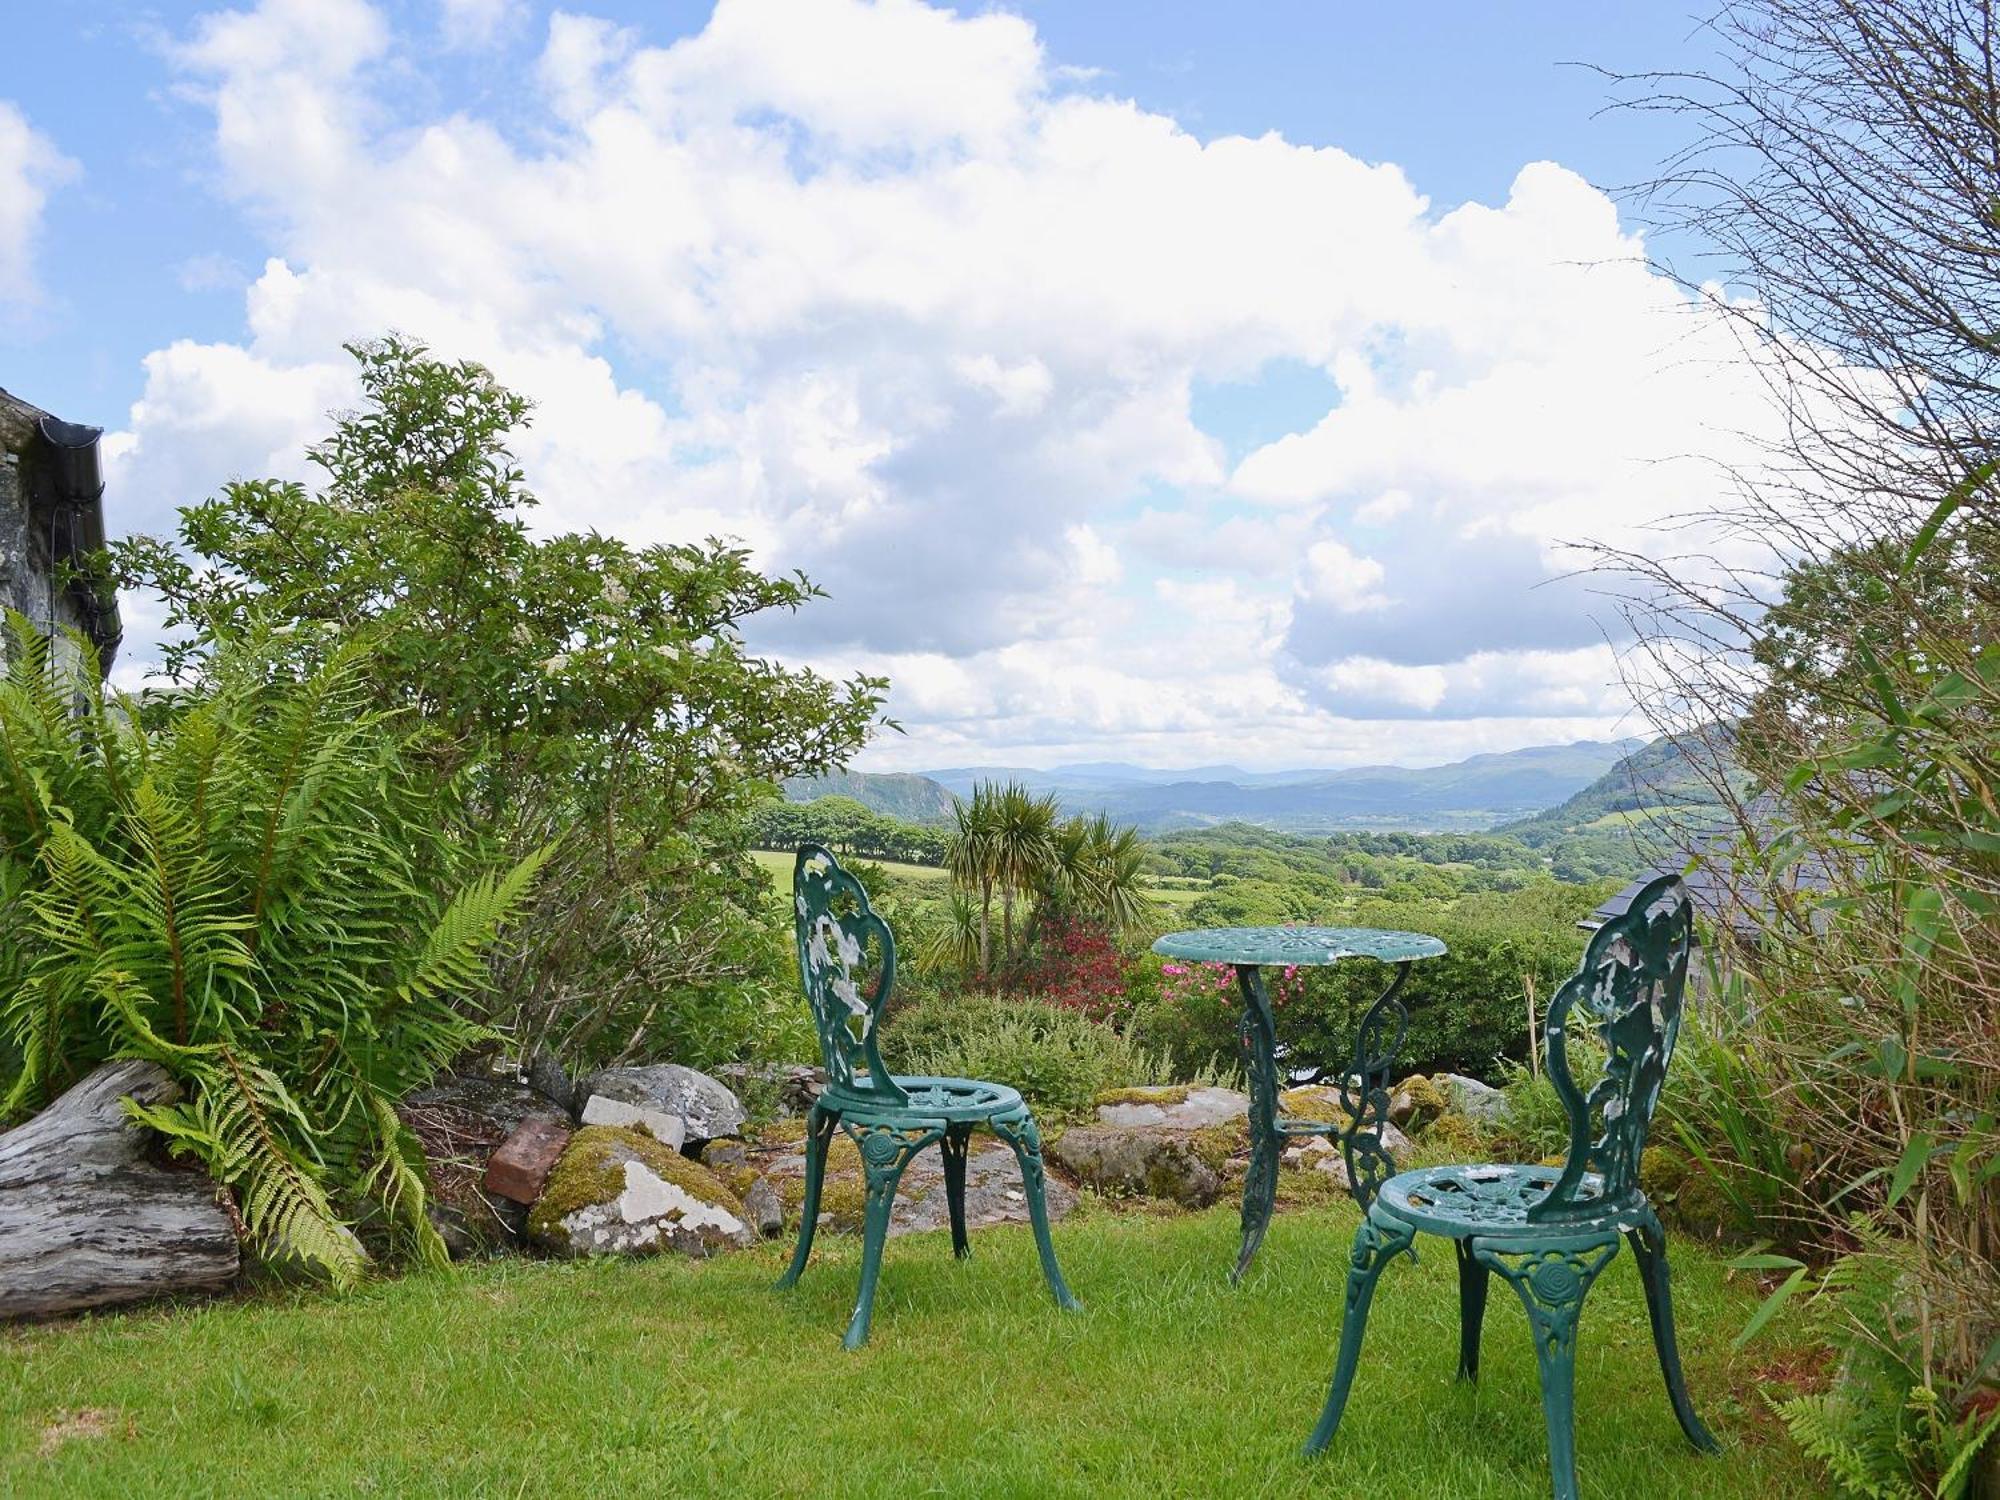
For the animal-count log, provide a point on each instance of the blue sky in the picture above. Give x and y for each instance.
(1170, 382)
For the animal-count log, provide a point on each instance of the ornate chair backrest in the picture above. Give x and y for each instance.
(1628, 991)
(834, 926)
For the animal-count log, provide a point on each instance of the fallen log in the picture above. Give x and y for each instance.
(87, 1221)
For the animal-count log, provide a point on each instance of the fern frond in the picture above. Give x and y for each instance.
(1855, 1443)
(1971, 1436)
(453, 960)
(285, 1207)
(47, 1016)
(397, 1182)
(186, 938)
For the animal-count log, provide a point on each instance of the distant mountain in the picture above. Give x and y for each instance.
(914, 799)
(1470, 794)
(1645, 809)
(1655, 778)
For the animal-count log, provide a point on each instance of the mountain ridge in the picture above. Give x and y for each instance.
(1475, 793)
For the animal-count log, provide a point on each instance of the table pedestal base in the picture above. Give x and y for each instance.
(1364, 1097)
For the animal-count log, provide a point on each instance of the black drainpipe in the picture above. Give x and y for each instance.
(78, 474)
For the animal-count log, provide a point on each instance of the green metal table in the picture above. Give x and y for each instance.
(1364, 1082)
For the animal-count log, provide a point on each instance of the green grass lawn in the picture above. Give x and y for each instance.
(779, 864)
(1175, 897)
(670, 1378)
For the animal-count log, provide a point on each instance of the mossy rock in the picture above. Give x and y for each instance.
(1455, 1138)
(1162, 1095)
(843, 1201)
(789, 1131)
(1216, 1145)
(1118, 1160)
(843, 1193)
(617, 1190)
(1316, 1101)
(1416, 1102)
(1687, 1194)
(1299, 1187)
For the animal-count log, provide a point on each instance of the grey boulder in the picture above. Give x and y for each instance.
(1473, 1099)
(617, 1192)
(1176, 1108)
(650, 1096)
(1142, 1160)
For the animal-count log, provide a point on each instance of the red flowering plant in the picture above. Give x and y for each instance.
(1076, 966)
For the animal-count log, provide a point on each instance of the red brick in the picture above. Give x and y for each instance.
(522, 1163)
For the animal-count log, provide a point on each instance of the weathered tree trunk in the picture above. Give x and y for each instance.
(86, 1220)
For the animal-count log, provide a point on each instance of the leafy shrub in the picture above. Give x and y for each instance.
(1191, 1013)
(1880, 1428)
(1723, 1105)
(1060, 1060)
(1537, 1123)
(248, 896)
(572, 691)
(1468, 1009)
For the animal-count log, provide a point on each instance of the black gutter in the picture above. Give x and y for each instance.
(77, 472)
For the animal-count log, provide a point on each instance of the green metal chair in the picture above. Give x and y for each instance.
(1548, 1230)
(889, 1118)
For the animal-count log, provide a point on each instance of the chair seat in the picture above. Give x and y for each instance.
(954, 1100)
(1493, 1198)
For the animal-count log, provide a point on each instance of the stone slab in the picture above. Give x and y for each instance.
(1201, 1107)
(668, 1130)
(993, 1193)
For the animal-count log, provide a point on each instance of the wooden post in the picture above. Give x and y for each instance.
(1534, 1049)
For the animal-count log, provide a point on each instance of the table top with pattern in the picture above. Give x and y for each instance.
(1297, 945)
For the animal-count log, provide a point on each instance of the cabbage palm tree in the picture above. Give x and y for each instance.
(1024, 850)
(1117, 857)
(1096, 873)
(952, 939)
(971, 859)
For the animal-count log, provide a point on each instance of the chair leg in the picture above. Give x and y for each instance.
(1649, 1244)
(955, 1146)
(1019, 1132)
(885, 1151)
(1379, 1240)
(1552, 1280)
(820, 1125)
(1473, 1279)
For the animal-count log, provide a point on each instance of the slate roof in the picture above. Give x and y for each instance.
(1704, 857)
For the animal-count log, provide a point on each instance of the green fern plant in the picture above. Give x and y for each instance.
(1881, 1430)
(248, 894)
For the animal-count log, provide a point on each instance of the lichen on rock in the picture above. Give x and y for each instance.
(619, 1191)
(1417, 1101)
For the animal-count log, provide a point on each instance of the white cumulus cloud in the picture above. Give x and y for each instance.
(888, 292)
(30, 168)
